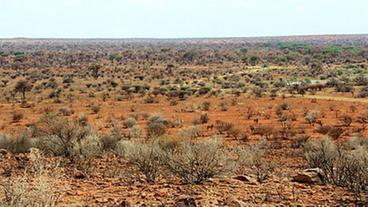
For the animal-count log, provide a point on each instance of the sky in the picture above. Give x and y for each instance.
(180, 18)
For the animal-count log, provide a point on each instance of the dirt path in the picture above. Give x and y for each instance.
(334, 98)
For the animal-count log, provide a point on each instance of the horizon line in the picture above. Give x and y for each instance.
(180, 38)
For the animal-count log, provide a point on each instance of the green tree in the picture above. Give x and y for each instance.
(254, 60)
(22, 86)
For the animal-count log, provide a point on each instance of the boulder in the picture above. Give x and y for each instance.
(310, 176)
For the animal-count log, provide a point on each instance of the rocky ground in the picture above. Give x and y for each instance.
(114, 182)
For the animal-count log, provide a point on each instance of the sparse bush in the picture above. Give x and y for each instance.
(130, 122)
(332, 131)
(95, 108)
(57, 136)
(23, 192)
(156, 129)
(257, 92)
(265, 131)
(363, 118)
(252, 157)
(340, 167)
(324, 129)
(249, 113)
(197, 162)
(19, 144)
(206, 106)
(88, 147)
(299, 140)
(144, 156)
(35, 187)
(335, 132)
(191, 132)
(222, 126)
(204, 118)
(22, 86)
(156, 126)
(135, 132)
(284, 106)
(109, 142)
(223, 106)
(363, 92)
(66, 111)
(17, 116)
(234, 101)
(311, 117)
(83, 119)
(346, 120)
(150, 100)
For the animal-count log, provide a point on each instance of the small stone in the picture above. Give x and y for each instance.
(79, 174)
(3, 152)
(185, 201)
(79, 193)
(246, 178)
(124, 203)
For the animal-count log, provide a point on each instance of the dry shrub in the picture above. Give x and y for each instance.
(265, 131)
(197, 162)
(356, 142)
(204, 118)
(130, 122)
(252, 157)
(228, 128)
(109, 142)
(83, 119)
(342, 167)
(23, 192)
(191, 132)
(335, 132)
(311, 117)
(150, 100)
(287, 130)
(156, 129)
(168, 143)
(156, 126)
(346, 120)
(299, 140)
(58, 136)
(19, 144)
(332, 131)
(205, 106)
(95, 108)
(250, 112)
(66, 111)
(324, 129)
(145, 156)
(17, 116)
(223, 106)
(135, 132)
(223, 127)
(36, 187)
(88, 147)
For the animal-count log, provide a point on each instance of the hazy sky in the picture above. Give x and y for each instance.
(180, 18)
